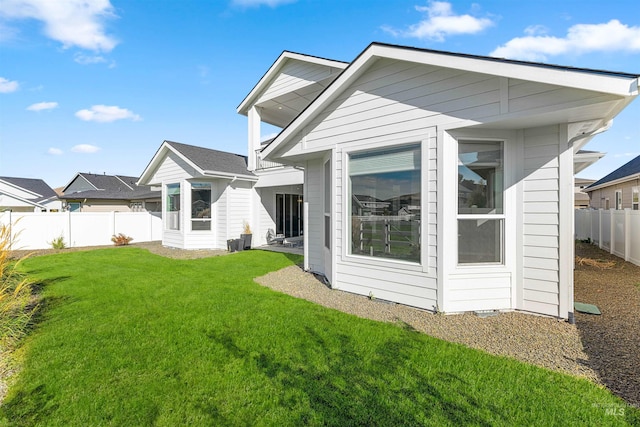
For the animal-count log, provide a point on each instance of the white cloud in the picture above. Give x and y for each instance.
(257, 3)
(7, 86)
(106, 114)
(612, 36)
(72, 22)
(441, 22)
(40, 106)
(85, 148)
(85, 60)
(54, 151)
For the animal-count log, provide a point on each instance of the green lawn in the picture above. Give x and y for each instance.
(127, 338)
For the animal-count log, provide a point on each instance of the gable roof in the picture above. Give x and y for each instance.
(269, 76)
(623, 85)
(626, 172)
(38, 187)
(208, 162)
(111, 187)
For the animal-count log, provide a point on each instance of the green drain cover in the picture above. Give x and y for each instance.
(586, 308)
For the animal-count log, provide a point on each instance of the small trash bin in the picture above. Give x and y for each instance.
(234, 245)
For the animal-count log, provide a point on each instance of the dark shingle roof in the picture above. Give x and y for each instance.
(628, 169)
(37, 186)
(113, 187)
(208, 159)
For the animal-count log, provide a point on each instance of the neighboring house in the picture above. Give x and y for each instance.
(580, 198)
(618, 190)
(485, 146)
(27, 195)
(88, 192)
(207, 195)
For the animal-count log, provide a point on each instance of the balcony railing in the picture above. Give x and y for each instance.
(265, 164)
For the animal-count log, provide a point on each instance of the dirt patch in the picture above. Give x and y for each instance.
(612, 339)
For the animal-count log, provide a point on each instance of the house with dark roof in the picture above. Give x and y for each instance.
(238, 189)
(87, 192)
(27, 195)
(473, 156)
(618, 190)
(487, 146)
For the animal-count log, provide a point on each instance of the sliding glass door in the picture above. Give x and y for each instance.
(289, 215)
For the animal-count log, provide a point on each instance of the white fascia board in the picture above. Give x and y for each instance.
(626, 87)
(26, 201)
(273, 71)
(155, 162)
(573, 78)
(351, 73)
(21, 189)
(614, 182)
(224, 175)
(79, 174)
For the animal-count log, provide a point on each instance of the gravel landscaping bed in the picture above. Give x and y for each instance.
(612, 340)
(542, 341)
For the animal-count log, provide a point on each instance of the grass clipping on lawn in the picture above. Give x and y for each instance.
(604, 265)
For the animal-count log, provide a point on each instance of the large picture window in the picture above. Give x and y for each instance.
(201, 206)
(173, 207)
(480, 202)
(385, 194)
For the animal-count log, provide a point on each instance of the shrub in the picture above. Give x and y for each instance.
(121, 239)
(58, 242)
(17, 304)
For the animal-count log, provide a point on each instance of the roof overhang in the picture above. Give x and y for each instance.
(584, 159)
(165, 149)
(617, 89)
(613, 182)
(280, 109)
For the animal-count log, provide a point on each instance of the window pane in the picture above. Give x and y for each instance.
(200, 225)
(200, 200)
(201, 206)
(173, 207)
(480, 177)
(385, 203)
(479, 240)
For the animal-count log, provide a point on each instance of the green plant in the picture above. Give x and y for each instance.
(17, 303)
(121, 239)
(58, 242)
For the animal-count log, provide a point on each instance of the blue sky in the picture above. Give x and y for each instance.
(97, 85)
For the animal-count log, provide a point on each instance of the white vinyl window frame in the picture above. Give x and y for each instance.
(381, 159)
(172, 206)
(201, 207)
(635, 198)
(327, 203)
(618, 200)
(476, 215)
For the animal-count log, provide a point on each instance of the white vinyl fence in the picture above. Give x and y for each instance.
(616, 231)
(36, 230)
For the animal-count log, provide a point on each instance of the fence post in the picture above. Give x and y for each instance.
(113, 224)
(627, 234)
(612, 231)
(68, 233)
(600, 228)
